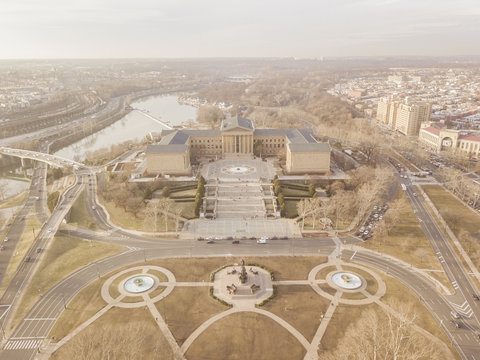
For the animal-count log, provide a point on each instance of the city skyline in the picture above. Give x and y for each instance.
(177, 29)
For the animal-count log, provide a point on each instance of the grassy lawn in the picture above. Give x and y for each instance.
(32, 226)
(397, 293)
(291, 209)
(322, 274)
(191, 192)
(160, 275)
(199, 269)
(468, 223)
(15, 200)
(195, 269)
(407, 242)
(131, 334)
(127, 220)
(294, 192)
(79, 215)
(246, 336)
(62, 258)
(300, 306)
(82, 307)
(188, 209)
(186, 308)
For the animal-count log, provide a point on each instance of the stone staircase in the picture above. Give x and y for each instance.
(248, 199)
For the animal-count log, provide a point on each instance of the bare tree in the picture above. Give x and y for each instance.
(392, 216)
(302, 208)
(152, 211)
(177, 211)
(165, 205)
(376, 336)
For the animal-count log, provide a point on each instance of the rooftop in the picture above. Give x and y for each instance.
(238, 121)
(323, 146)
(169, 148)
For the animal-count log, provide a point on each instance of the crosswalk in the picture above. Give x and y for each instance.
(22, 344)
(455, 285)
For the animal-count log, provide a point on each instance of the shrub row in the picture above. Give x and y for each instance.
(275, 292)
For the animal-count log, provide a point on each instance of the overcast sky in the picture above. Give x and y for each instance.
(237, 28)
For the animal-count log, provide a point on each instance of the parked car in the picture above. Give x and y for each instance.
(6, 239)
(27, 259)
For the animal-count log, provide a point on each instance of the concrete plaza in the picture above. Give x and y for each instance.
(239, 228)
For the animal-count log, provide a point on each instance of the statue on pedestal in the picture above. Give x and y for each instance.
(243, 274)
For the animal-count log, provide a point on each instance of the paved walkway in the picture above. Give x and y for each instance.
(240, 306)
(240, 227)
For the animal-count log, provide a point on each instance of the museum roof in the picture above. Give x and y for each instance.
(237, 121)
(293, 135)
(300, 147)
(166, 148)
(176, 137)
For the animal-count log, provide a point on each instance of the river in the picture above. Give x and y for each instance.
(134, 126)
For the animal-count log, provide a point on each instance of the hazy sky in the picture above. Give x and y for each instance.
(231, 28)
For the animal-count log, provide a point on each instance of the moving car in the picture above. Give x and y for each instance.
(262, 240)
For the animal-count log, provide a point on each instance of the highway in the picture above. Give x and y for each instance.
(44, 235)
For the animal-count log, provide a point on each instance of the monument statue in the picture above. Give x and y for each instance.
(243, 274)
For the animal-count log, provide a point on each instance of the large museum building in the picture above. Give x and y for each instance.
(237, 135)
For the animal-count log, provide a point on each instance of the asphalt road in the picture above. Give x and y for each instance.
(25, 340)
(462, 301)
(26, 268)
(18, 225)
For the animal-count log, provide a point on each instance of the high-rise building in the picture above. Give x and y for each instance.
(383, 110)
(405, 116)
(410, 116)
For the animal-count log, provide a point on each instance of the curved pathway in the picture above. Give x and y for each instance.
(51, 305)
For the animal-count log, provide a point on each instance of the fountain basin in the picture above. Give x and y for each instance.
(346, 280)
(139, 284)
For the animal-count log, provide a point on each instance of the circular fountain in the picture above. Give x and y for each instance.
(138, 284)
(346, 280)
(238, 170)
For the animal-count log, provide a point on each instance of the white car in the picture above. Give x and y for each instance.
(262, 240)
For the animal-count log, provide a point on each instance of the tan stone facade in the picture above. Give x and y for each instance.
(404, 117)
(307, 162)
(237, 136)
(172, 163)
(439, 139)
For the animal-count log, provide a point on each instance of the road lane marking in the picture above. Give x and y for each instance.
(354, 254)
(21, 344)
